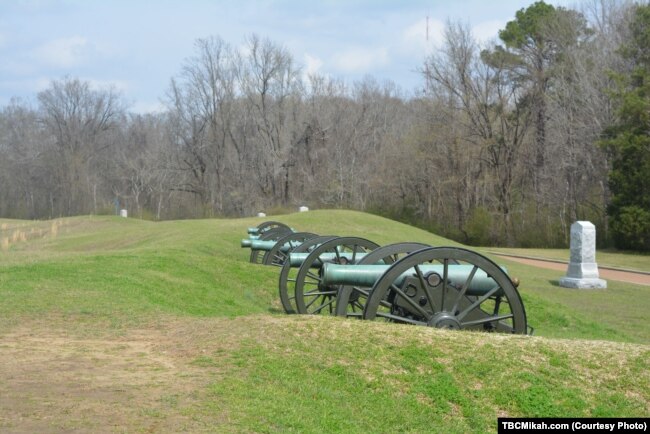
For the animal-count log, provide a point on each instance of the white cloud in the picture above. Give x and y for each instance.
(63, 53)
(118, 85)
(487, 30)
(42, 83)
(144, 107)
(361, 59)
(17, 68)
(313, 64)
(415, 38)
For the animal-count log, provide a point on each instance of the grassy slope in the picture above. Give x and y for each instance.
(105, 276)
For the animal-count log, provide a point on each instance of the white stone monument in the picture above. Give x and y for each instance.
(583, 270)
(124, 213)
(303, 209)
(261, 214)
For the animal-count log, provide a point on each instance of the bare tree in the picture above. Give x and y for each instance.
(271, 84)
(23, 170)
(493, 112)
(80, 120)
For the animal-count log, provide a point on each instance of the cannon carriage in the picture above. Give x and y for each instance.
(410, 283)
(443, 287)
(275, 249)
(267, 226)
(270, 231)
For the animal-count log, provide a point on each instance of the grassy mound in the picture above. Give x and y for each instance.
(166, 326)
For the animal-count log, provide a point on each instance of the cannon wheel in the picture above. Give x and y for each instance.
(267, 226)
(287, 281)
(276, 256)
(257, 256)
(311, 296)
(445, 305)
(352, 299)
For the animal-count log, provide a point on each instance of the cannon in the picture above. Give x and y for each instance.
(347, 301)
(277, 252)
(443, 287)
(301, 273)
(350, 300)
(267, 226)
(409, 283)
(312, 296)
(267, 231)
(289, 272)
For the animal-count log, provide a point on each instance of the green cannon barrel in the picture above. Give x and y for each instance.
(246, 242)
(256, 244)
(367, 275)
(253, 231)
(297, 259)
(264, 245)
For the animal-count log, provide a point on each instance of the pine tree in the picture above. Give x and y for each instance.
(628, 141)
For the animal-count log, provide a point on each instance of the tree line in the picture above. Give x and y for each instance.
(507, 142)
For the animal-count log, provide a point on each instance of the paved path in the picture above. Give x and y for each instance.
(640, 278)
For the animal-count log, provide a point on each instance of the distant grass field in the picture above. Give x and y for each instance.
(638, 262)
(129, 325)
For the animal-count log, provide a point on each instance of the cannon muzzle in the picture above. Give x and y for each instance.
(246, 242)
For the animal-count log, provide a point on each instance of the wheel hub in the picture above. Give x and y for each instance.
(444, 320)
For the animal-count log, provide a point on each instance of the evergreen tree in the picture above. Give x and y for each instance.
(628, 141)
(534, 44)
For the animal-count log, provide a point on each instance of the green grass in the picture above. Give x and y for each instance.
(262, 371)
(322, 380)
(639, 262)
(128, 270)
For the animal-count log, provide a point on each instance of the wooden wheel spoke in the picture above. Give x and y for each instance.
(464, 289)
(324, 305)
(478, 302)
(324, 293)
(400, 318)
(487, 320)
(425, 287)
(313, 276)
(361, 291)
(445, 277)
(338, 255)
(410, 302)
(317, 297)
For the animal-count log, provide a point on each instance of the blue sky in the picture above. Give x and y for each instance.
(137, 46)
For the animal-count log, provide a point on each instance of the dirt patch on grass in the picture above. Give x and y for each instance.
(604, 273)
(55, 380)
